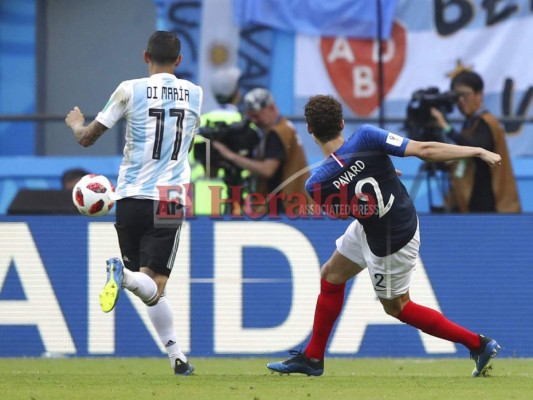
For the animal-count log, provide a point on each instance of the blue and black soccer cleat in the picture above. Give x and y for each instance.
(182, 368)
(299, 364)
(488, 349)
(111, 290)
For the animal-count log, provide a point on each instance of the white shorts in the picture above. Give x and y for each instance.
(390, 275)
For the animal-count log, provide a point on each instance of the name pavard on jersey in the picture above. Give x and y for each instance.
(359, 180)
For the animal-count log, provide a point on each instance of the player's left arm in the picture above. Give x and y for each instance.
(438, 152)
(371, 138)
(195, 132)
(85, 135)
(428, 151)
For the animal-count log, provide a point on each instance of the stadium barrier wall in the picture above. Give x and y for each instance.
(45, 173)
(248, 288)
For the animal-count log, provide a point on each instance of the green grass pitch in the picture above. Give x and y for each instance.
(247, 378)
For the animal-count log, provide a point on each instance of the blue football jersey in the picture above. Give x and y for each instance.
(359, 180)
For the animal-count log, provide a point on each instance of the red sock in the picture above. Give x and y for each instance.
(328, 308)
(434, 323)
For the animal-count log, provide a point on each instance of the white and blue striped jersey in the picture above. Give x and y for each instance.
(360, 180)
(163, 115)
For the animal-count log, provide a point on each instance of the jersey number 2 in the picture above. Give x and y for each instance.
(159, 114)
(382, 208)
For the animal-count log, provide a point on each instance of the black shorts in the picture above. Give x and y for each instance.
(141, 243)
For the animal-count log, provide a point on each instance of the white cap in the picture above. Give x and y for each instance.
(225, 82)
(257, 99)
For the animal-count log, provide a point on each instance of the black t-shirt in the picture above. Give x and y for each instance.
(274, 149)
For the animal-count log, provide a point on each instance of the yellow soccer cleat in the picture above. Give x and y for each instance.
(111, 290)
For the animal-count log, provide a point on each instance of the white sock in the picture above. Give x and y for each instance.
(141, 285)
(161, 317)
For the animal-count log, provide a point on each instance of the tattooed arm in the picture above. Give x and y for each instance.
(85, 135)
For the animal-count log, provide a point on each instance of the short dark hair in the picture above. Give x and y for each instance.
(73, 174)
(163, 47)
(470, 79)
(323, 114)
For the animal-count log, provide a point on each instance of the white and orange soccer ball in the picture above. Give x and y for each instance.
(92, 195)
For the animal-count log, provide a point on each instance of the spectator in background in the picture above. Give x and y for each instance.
(71, 176)
(30, 201)
(475, 187)
(225, 89)
(279, 164)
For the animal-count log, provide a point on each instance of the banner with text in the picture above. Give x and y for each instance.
(206, 50)
(430, 41)
(242, 288)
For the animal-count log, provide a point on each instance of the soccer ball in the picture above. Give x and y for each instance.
(91, 195)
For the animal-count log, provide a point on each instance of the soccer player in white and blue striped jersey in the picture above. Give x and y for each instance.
(163, 115)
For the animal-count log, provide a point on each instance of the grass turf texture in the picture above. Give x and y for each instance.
(248, 378)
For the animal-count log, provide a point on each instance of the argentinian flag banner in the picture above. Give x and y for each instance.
(300, 48)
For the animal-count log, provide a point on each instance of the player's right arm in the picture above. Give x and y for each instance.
(439, 152)
(85, 135)
(113, 111)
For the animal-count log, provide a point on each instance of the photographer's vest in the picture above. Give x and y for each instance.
(201, 182)
(503, 182)
(295, 171)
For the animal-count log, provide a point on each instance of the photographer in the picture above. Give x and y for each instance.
(279, 163)
(474, 186)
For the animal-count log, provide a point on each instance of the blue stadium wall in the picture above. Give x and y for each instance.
(247, 288)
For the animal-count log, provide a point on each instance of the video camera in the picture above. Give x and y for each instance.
(420, 125)
(240, 137)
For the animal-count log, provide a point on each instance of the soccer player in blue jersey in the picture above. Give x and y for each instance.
(358, 179)
(163, 115)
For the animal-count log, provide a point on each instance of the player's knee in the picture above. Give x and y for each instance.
(153, 301)
(392, 311)
(331, 274)
(391, 307)
(325, 271)
(335, 274)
